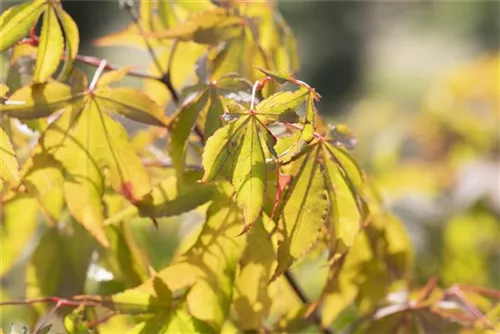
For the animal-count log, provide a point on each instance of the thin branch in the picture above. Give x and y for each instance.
(165, 77)
(97, 74)
(316, 317)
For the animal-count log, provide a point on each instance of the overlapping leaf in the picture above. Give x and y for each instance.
(203, 109)
(57, 27)
(209, 27)
(236, 151)
(208, 268)
(88, 142)
(9, 167)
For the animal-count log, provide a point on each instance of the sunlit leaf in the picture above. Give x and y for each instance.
(304, 211)
(16, 22)
(113, 76)
(249, 176)
(209, 27)
(50, 48)
(9, 167)
(181, 126)
(132, 104)
(17, 229)
(39, 100)
(171, 197)
(72, 40)
(252, 301)
(220, 146)
(282, 106)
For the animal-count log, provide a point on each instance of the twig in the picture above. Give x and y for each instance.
(97, 74)
(303, 298)
(165, 75)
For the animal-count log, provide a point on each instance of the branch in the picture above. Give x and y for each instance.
(316, 317)
(165, 78)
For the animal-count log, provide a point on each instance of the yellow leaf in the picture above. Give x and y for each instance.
(13, 236)
(16, 22)
(9, 167)
(50, 48)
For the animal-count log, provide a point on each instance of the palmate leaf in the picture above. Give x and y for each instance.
(57, 27)
(236, 151)
(88, 142)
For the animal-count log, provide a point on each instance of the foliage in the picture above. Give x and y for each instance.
(245, 149)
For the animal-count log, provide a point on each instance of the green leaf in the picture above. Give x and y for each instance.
(14, 240)
(304, 211)
(181, 125)
(282, 106)
(143, 299)
(344, 218)
(17, 21)
(72, 38)
(50, 48)
(86, 144)
(208, 27)
(113, 76)
(132, 104)
(43, 178)
(220, 146)
(9, 167)
(173, 196)
(280, 76)
(307, 134)
(209, 266)
(344, 283)
(124, 258)
(252, 302)
(39, 100)
(249, 176)
(58, 265)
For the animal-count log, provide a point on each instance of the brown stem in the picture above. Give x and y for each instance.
(316, 317)
(165, 78)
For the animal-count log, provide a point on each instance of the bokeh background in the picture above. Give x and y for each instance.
(419, 84)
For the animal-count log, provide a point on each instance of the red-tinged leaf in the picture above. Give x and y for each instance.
(50, 48)
(283, 181)
(17, 21)
(209, 27)
(132, 104)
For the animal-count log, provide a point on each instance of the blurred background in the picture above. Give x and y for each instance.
(418, 82)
